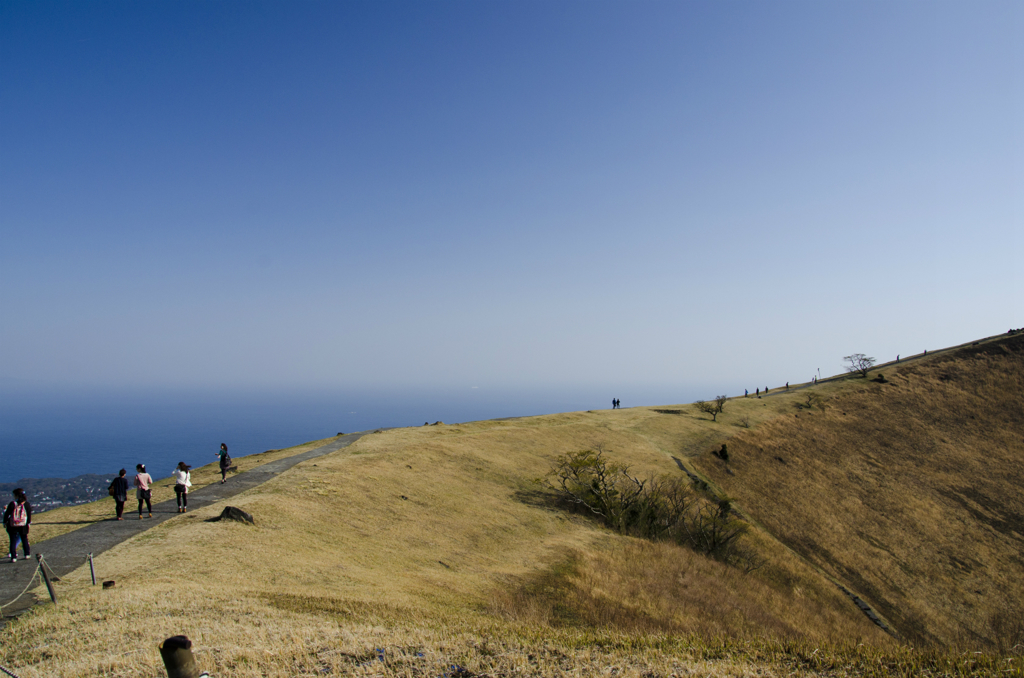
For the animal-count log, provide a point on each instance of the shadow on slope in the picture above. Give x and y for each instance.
(907, 490)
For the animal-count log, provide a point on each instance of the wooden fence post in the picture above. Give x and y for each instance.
(176, 652)
(46, 579)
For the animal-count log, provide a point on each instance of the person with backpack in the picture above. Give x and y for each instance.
(119, 491)
(182, 481)
(142, 482)
(225, 462)
(17, 518)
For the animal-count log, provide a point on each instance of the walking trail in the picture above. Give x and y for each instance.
(70, 551)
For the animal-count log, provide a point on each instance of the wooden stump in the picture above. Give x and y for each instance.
(176, 652)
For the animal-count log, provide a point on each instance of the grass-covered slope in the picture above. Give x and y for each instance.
(909, 491)
(439, 546)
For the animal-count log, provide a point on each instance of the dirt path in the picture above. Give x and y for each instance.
(69, 551)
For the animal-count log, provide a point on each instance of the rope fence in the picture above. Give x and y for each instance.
(24, 590)
(45, 573)
(176, 651)
(10, 673)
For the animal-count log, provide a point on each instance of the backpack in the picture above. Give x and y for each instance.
(19, 518)
(225, 461)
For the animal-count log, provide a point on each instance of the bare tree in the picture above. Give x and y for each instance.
(714, 409)
(858, 363)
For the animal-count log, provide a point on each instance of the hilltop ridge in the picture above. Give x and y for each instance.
(417, 549)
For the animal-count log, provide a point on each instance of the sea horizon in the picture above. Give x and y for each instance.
(65, 433)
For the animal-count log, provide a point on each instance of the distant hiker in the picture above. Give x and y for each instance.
(17, 518)
(766, 390)
(142, 482)
(182, 481)
(119, 491)
(618, 404)
(225, 462)
(787, 385)
(758, 393)
(897, 357)
(745, 393)
(614, 403)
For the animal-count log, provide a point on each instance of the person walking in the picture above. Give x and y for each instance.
(17, 518)
(182, 481)
(142, 490)
(119, 491)
(225, 462)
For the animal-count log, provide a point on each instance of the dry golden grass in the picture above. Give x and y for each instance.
(661, 588)
(59, 521)
(439, 546)
(280, 636)
(908, 491)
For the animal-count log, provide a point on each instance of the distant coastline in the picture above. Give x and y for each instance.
(50, 493)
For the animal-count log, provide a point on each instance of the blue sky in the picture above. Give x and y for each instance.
(508, 195)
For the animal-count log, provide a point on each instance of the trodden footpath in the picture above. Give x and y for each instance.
(70, 551)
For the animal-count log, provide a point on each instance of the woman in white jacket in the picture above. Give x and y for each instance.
(182, 481)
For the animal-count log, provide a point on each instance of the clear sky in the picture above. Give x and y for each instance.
(503, 194)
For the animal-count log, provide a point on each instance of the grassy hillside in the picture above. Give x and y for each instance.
(909, 491)
(441, 551)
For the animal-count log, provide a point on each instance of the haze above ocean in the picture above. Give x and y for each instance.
(64, 434)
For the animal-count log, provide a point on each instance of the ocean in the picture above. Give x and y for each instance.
(63, 434)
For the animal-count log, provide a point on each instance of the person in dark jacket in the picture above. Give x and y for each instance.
(17, 518)
(225, 462)
(119, 491)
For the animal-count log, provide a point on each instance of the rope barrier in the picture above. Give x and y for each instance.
(24, 590)
(49, 570)
(80, 578)
(10, 673)
(41, 563)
